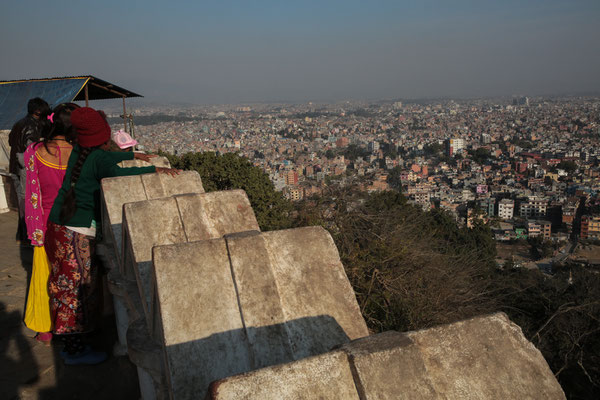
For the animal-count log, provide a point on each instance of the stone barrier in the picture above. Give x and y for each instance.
(480, 358)
(174, 219)
(218, 310)
(247, 301)
(126, 189)
(178, 219)
(115, 193)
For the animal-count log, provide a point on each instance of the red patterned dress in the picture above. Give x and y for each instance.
(73, 284)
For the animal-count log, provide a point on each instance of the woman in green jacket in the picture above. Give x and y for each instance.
(73, 283)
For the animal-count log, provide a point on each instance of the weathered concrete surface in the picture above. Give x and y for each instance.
(202, 327)
(249, 301)
(216, 214)
(156, 161)
(327, 376)
(116, 192)
(126, 189)
(178, 219)
(484, 357)
(480, 358)
(294, 275)
(148, 357)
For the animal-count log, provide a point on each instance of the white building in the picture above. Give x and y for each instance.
(506, 208)
(455, 146)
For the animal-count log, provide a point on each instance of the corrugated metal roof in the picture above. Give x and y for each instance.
(14, 95)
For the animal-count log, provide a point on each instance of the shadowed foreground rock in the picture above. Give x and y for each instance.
(480, 358)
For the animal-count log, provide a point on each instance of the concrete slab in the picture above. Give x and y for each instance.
(146, 224)
(126, 189)
(294, 277)
(481, 358)
(178, 219)
(327, 376)
(156, 161)
(161, 185)
(216, 214)
(202, 327)
(287, 289)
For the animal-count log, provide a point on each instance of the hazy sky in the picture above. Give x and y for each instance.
(244, 51)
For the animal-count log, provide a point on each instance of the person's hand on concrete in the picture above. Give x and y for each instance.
(144, 156)
(168, 171)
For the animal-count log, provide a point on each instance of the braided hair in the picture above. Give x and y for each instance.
(69, 206)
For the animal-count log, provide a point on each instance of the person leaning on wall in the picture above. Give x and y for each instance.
(73, 284)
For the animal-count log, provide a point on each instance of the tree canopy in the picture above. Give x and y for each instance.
(230, 171)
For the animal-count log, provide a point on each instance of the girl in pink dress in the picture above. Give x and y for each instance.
(46, 164)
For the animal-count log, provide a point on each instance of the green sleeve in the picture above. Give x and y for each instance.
(118, 156)
(106, 167)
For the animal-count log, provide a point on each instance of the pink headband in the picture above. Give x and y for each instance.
(51, 118)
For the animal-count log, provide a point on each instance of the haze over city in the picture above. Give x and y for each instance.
(268, 51)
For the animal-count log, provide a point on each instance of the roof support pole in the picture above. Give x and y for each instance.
(87, 97)
(124, 116)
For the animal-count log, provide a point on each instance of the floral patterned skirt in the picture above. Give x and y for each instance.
(73, 283)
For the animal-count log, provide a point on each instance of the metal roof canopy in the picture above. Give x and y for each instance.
(14, 95)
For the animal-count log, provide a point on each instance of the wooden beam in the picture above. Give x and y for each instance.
(108, 89)
(87, 97)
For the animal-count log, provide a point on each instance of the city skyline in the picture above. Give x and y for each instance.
(333, 51)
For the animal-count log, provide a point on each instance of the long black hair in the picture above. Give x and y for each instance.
(69, 206)
(59, 125)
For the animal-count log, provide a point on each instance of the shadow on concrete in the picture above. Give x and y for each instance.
(195, 364)
(18, 366)
(114, 379)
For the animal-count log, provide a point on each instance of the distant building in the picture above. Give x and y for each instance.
(534, 208)
(342, 142)
(373, 147)
(488, 205)
(539, 228)
(454, 146)
(482, 189)
(520, 233)
(293, 193)
(506, 208)
(423, 198)
(590, 227)
(520, 101)
(291, 178)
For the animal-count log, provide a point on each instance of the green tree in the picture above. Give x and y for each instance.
(433, 149)
(353, 152)
(394, 178)
(481, 155)
(230, 171)
(568, 166)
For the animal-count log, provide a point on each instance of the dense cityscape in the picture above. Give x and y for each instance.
(527, 165)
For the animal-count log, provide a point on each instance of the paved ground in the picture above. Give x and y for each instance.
(30, 370)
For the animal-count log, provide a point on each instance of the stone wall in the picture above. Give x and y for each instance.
(206, 297)
(481, 358)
